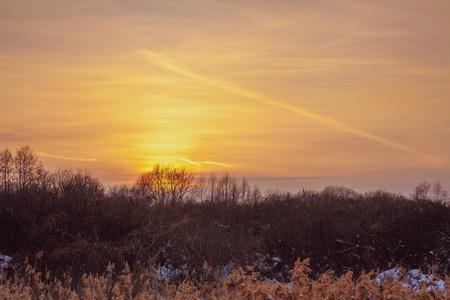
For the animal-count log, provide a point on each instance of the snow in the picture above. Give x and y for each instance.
(266, 262)
(263, 263)
(276, 259)
(412, 278)
(168, 273)
(224, 272)
(5, 262)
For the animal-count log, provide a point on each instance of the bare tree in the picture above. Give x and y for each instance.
(430, 191)
(244, 190)
(27, 167)
(222, 188)
(79, 184)
(227, 189)
(421, 190)
(256, 194)
(339, 191)
(45, 180)
(144, 188)
(235, 191)
(179, 183)
(212, 187)
(439, 193)
(165, 184)
(199, 189)
(6, 169)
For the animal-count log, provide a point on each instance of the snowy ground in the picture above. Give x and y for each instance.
(5, 262)
(414, 279)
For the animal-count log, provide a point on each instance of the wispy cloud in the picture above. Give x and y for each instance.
(215, 163)
(200, 163)
(170, 65)
(191, 162)
(4, 130)
(65, 157)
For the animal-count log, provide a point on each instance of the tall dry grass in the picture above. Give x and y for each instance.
(241, 284)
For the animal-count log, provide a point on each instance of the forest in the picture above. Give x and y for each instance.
(194, 228)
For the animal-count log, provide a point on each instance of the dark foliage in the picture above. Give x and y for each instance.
(341, 232)
(80, 228)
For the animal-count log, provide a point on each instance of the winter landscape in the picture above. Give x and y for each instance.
(173, 234)
(210, 149)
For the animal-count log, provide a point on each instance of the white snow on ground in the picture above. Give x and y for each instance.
(412, 278)
(168, 273)
(265, 262)
(276, 259)
(5, 262)
(224, 272)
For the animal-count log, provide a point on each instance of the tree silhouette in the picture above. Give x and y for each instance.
(6, 169)
(430, 191)
(77, 184)
(165, 184)
(200, 189)
(27, 167)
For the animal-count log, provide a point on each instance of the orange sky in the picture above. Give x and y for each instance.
(293, 93)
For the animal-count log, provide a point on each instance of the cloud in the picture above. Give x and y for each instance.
(170, 65)
(191, 162)
(9, 131)
(215, 163)
(200, 163)
(65, 157)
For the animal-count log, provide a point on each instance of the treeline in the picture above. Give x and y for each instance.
(170, 217)
(174, 185)
(163, 185)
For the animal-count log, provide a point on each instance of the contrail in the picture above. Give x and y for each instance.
(65, 157)
(200, 163)
(168, 64)
(30, 136)
(215, 163)
(190, 161)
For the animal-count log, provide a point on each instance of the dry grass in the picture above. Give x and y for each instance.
(29, 284)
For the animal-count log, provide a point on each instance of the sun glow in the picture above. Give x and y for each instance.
(170, 65)
(269, 90)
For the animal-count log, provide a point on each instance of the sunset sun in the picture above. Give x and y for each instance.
(267, 91)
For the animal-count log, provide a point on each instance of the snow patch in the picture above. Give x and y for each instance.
(224, 272)
(5, 261)
(414, 279)
(276, 259)
(168, 273)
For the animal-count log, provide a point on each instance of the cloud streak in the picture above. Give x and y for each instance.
(200, 163)
(65, 157)
(170, 65)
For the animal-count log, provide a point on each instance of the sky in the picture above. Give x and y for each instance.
(290, 94)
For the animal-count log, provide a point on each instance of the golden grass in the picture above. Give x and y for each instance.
(30, 284)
